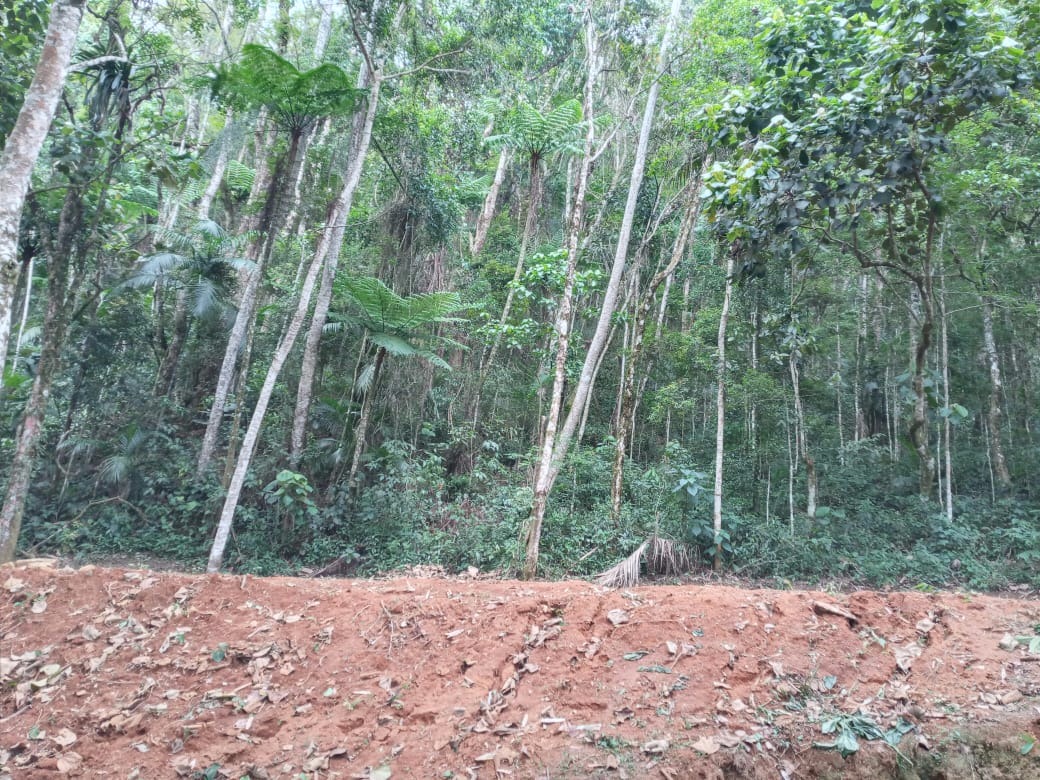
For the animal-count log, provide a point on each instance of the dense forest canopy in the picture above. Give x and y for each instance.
(527, 285)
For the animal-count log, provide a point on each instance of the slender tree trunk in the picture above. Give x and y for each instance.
(55, 326)
(996, 394)
(168, 365)
(321, 38)
(553, 451)
(534, 201)
(366, 414)
(487, 213)
(720, 414)
(219, 169)
(800, 435)
(247, 305)
(26, 303)
(947, 427)
(918, 430)
(361, 137)
(645, 305)
(840, 374)
(862, 431)
(328, 246)
(23, 145)
(543, 474)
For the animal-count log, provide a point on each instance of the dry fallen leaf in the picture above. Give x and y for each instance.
(706, 745)
(924, 625)
(69, 762)
(64, 738)
(907, 654)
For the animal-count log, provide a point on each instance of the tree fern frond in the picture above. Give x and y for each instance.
(394, 345)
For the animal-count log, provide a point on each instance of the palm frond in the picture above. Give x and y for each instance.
(114, 470)
(658, 554)
(209, 229)
(364, 380)
(205, 297)
(31, 335)
(240, 263)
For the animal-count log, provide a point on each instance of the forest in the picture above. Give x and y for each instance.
(549, 289)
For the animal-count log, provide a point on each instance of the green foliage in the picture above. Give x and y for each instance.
(537, 135)
(852, 106)
(295, 98)
(24, 23)
(204, 263)
(290, 493)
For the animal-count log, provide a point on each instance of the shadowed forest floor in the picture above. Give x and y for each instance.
(128, 673)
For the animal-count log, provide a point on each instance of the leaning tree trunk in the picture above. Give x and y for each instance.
(271, 220)
(628, 399)
(55, 326)
(329, 246)
(553, 451)
(720, 415)
(361, 137)
(24, 143)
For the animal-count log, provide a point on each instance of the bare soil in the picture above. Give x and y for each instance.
(143, 674)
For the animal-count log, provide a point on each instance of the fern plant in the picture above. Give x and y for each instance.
(398, 326)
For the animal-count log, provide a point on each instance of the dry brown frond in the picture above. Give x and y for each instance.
(661, 556)
(624, 574)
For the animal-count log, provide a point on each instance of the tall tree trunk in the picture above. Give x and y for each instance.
(918, 430)
(328, 246)
(361, 136)
(219, 169)
(543, 474)
(720, 414)
(270, 220)
(947, 427)
(26, 304)
(645, 305)
(55, 326)
(996, 394)
(800, 436)
(862, 430)
(553, 451)
(23, 145)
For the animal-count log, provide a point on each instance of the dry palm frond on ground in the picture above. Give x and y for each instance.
(660, 556)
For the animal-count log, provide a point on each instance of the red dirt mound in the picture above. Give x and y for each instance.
(137, 674)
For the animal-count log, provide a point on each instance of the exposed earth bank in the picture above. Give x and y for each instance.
(120, 673)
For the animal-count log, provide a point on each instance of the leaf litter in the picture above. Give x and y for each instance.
(219, 676)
